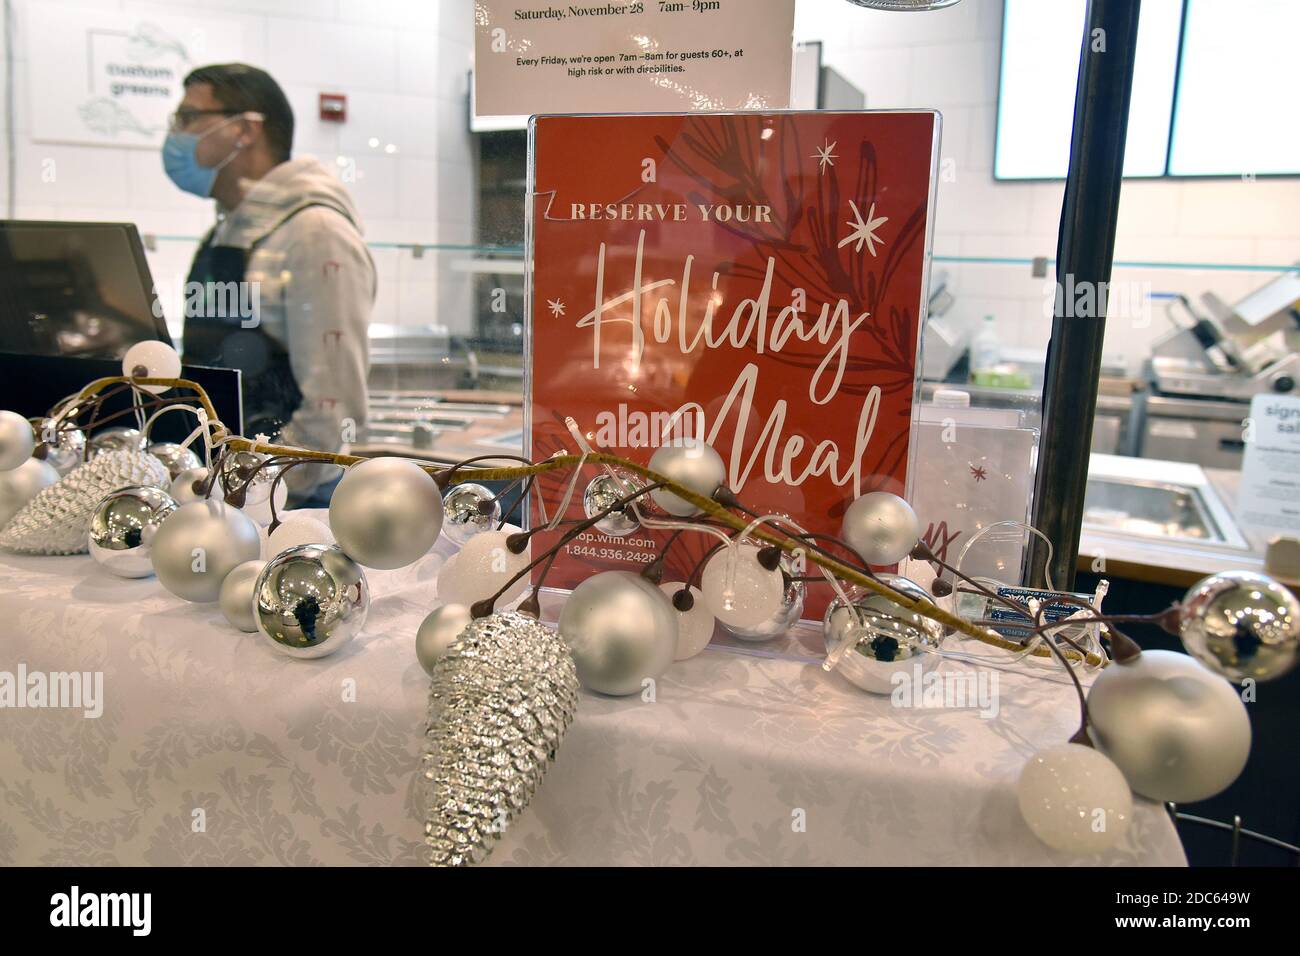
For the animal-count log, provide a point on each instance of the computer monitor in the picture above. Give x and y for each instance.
(75, 289)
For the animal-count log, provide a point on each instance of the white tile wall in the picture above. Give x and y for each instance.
(403, 66)
(948, 60)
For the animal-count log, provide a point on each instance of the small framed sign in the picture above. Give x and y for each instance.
(757, 280)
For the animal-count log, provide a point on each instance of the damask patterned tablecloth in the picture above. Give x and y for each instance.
(213, 749)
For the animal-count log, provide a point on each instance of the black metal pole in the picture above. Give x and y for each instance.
(1085, 251)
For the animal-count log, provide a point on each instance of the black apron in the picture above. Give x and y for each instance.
(212, 336)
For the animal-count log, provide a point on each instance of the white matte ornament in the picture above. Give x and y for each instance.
(237, 595)
(694, 627)
(16, 440)
(199, 545)
(296, 530)
(1074, 799)
(151, 359)
(438, 631)
(482, 567)
(622, 631)
(182, 486)
(739, 591)
(881, 527)
(1177, 731)
(692, 464)
(18, 486)
(386, 512)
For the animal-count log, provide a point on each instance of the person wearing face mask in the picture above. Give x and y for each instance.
(282, 285)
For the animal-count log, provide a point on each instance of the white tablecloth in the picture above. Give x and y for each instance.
(213, 749)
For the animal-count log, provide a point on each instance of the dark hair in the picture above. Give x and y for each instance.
(238, 86)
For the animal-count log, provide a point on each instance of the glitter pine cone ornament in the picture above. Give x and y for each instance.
(57, 520)
(499, 703)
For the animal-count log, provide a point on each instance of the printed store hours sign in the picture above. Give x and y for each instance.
(113, 77)
(754, 279)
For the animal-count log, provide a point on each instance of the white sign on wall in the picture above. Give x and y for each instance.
(109, 77)
(1269, 500)
(534, 56)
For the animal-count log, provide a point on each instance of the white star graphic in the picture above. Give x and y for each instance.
(864, 231)
(556, 307)
(825, 157)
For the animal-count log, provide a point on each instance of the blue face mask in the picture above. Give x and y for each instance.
(181, 161)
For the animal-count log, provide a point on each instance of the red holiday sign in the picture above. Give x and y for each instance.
(756, 279)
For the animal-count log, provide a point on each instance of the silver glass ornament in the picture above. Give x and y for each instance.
(386, 512)
(123, 526)
(904, 6)
(116, 439)
(19, 486)
(601, 493)
(692, 464)
(464, 514)
(199, 545)
(622, 631)
(1177, 731)
(57, 520)
(881, 527)
(65, 446)
(438, 631)
(1242, 625)
(311, 600)
(237, 595)
(177, 458)
(17, 441)
(500, 701)
(190, 486)
(792, 603)
(235, 474)
(875, 639)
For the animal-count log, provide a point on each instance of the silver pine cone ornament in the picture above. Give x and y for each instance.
(57, 520)
(499, 704)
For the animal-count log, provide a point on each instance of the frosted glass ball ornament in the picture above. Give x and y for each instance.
(386, 513)
(183, 485)
(694, 626)
(738, 590)
(17, 442)
(152, 359)
(237, 595)
(199, 544)
(438, 631)
(881, 527)
(692, 464)
(20, 485)
(294, 531)
(1074, 799)
(469, 509)
(482, 567)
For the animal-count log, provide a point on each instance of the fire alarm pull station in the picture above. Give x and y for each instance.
(333, 107)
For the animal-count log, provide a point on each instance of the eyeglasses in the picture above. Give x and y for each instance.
(184, 116)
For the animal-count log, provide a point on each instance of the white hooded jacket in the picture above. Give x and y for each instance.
(315, 286)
